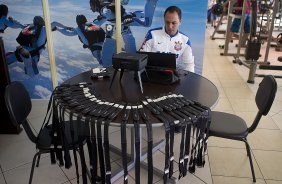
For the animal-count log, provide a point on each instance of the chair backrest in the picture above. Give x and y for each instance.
(18, 103)
(264, 98)
(266, 94)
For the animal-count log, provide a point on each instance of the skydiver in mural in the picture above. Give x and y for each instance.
(106, 10)
(6, 21)
(92, 36)
(32, 40)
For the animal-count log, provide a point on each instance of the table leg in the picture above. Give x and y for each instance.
(143, 155)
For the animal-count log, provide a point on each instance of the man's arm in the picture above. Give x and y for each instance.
(65, 30)
(186, 61)
(147, 44)
(12, 23)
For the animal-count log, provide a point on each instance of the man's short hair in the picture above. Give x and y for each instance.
(172, 9)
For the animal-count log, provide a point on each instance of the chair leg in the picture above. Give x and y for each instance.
(250, 159)
(32, 167)
(247, 147)
(38, 159)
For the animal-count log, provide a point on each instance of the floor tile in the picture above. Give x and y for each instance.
(239, 92)
(44, 174)
(232, 74)
(266, 140)
(233, 180)
(67, 182)
(270, 163)
(225, 143)
(243, 105)
(233, 83)
(204, 173)
(231, 162)
(273, 181)
(221, 92)
(266, 122)
(189, 179)
(71, 172)
(36, 123)
(7, 139)
(144, 175)
(277, 119)
(74, 180)
(276, 106)
(120, 180)
(215, 81)
(279, 91)
(115, 139)
(157, 132)
(16, 154)
(39, 108)
(223, 105)
(2, 180)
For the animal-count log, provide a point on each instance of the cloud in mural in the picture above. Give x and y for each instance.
(42, 92)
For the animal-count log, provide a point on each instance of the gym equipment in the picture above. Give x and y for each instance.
(230, 16)
(278, 42)
(217, 9)
(264, 65)
(219, 23)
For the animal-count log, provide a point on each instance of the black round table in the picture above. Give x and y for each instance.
(192, 86)
(127, 90)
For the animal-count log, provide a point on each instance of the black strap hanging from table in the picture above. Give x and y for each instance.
(67, 157)
(136, 119)
(124, 142)
(100, 150)
(94, 158)
(150, 143)
(81, 150)
(167, 134)
(74, 146)
(171, 109)
(187, 147)
(111, 113)
(107, 151)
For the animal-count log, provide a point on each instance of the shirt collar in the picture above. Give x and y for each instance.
(168, 34)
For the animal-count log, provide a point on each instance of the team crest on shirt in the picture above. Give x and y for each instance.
(178, 46)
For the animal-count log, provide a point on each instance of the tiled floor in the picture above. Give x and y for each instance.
(226, 162)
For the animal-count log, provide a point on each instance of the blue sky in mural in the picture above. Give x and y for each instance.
(71, 57)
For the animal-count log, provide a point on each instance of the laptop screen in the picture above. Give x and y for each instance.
(162, 60)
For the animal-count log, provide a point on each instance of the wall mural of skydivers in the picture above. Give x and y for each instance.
(31, 40)
(98, 35)
(6, 21)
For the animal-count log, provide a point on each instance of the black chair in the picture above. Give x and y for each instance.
(230, 126)
(19, 105)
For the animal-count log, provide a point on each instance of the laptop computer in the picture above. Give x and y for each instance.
(166, 61)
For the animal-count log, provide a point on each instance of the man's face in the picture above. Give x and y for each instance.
(172, 22)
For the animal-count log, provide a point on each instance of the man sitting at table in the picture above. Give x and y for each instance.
(169, 39)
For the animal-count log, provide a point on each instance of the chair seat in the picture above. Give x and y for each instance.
(227, 125)
(45, 136)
